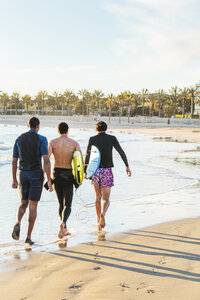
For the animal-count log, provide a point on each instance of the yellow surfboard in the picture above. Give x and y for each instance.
(77, 164)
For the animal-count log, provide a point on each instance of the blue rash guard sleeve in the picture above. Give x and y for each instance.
(15, 150)
(43, 145)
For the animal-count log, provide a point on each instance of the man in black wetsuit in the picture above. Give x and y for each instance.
(62, 149)
(29, 148)
(103, 178)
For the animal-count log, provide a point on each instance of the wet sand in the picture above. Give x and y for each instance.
(159, 262)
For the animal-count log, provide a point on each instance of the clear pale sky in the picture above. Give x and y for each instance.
(113, 45)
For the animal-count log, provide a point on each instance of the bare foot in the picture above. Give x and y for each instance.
(61, 231)
(99, 227)
(65, 231)
(102, 221)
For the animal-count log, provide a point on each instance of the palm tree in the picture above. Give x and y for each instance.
(26, 101)
(184, 98)
(110, 102)
(160, 99)
(4, 99)
(15, 99)
(174, 93)
(128, 99)
(152, 103)
(144, 96)
(40, 99)
(136, 101)
(57, 99)
(193, 93)
(85, 97)
(69, 99)
(120, 101)
(98, 95)
(168, 108)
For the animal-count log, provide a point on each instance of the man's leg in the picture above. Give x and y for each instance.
(97, 189)
(59, 194)
(21, 211)
(23, 191)
(68, 195)
(105, 204)
(32, 217)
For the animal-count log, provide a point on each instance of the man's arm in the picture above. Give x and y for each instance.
(122, 154)
(50, 149)
(78, 148)
(14, 165)
(47, 169)
(47, 164)
(87, 155)
(14, 173)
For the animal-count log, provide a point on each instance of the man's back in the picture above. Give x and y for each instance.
(29, 147)
(63, 149)
(105, 143)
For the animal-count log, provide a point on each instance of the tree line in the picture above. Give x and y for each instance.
(160, 103)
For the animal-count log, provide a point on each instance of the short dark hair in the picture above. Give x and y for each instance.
(101, 126)
(33, 122)
(62, 128)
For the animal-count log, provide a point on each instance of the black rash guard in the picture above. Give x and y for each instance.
(105, 143)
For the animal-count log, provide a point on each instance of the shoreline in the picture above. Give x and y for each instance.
(160, 261)
(178, 130)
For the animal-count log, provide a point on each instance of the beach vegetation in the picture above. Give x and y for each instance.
(176, 102)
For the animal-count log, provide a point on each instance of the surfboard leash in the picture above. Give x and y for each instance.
(83, 209)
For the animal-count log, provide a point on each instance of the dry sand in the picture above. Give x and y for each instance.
(160, 262)
(179, 131)
(179, 134)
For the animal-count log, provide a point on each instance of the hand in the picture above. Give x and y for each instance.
(50, 186)
(15, 184)
(128, 171)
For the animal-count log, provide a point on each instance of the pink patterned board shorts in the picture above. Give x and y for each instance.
(104, 177)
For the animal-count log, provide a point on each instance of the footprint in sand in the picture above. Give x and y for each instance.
(124, 286)
(20, 269)
(36, 278)
(76, 286)
(97, 268)
(163, 261)
(151, 291)
(96, 256)
(142, 285)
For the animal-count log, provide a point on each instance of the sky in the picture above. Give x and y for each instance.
(111, 45)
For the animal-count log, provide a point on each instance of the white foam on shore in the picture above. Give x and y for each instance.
(161, 189)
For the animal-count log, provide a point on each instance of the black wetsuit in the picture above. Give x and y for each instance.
(63, 181)
(29, 148)
(105, 143)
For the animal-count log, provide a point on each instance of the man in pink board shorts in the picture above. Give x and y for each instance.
(103, 180)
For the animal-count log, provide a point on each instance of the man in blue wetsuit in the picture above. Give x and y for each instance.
(29, 148)
(103, 178)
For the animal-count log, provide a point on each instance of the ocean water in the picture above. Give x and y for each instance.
(164, 186)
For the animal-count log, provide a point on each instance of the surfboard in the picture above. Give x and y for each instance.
(94, 162)
(77, 165)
